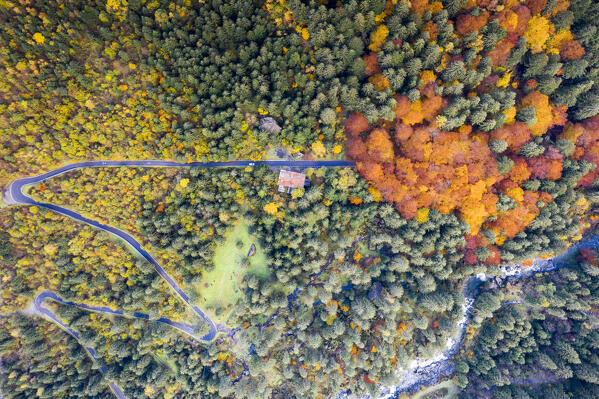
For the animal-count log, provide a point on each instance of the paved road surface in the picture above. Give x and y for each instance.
(92, 353)
(14, 189)
(47, 295)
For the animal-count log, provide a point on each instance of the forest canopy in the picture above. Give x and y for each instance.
(471, 128)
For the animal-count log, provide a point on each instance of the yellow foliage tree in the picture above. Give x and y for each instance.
(376, 194)
(560, 38)
(378, 37)
(504, 81)
(118, 8)
(318, 149)
(305, 34)
(39, 38)
(538, 31)
(182, 184)
(422, 215)
(271, 208)
(298, 193)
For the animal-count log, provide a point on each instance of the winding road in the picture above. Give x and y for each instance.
(13, 195)
(118, 392)
(419, 371)
(47, 295)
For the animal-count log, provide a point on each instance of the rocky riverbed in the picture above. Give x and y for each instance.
(430, 371)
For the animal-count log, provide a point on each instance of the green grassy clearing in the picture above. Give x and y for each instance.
(363, 249)
(159, 356)
(219, 289)
(271, 153)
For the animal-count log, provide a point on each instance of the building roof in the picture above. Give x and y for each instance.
(291, 179)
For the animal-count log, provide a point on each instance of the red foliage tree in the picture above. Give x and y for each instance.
(372, 65)
(515, 135)
(571, 50)
(422, 166)
(500, 53)
(356, 123)
(536, 6)
(432, 29)
(356, 149)
(523, 17)
(466, 23)
(545, 168)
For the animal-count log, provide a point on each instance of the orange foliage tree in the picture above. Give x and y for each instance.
(546, 114)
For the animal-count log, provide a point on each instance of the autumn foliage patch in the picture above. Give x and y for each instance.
(496, 165)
